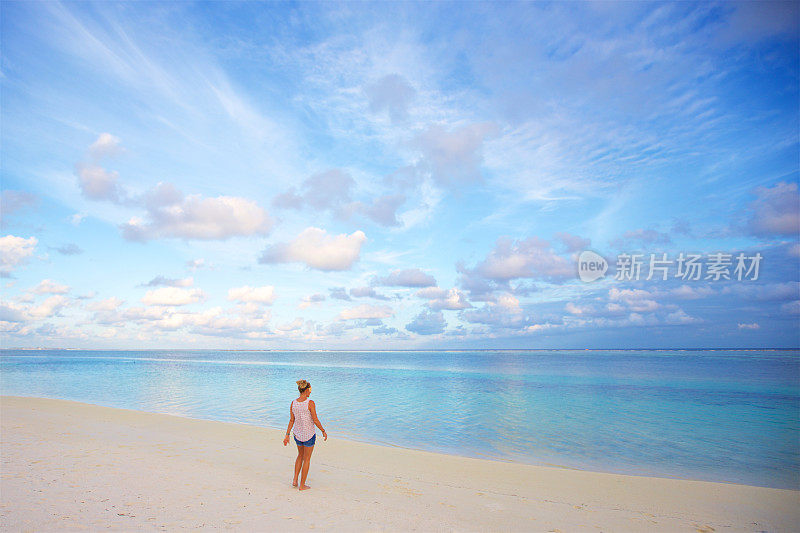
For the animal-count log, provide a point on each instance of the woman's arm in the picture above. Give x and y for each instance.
(288, 429)
(313, 409)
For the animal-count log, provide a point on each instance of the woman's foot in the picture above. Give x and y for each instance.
(305, 487)
(294, 483)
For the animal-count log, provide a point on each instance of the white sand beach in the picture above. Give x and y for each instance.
(69, 466)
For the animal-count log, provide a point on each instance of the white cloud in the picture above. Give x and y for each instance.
(294, 325)
(776, 210)
(229, 326)
(195, 264)
(633, 307)
(106, 312)
(528, 258)
(15, 251)
(454, 157)
(366, 311)
(48, 286)
(11, 312)
(13, 201)
(409, 277)
(575, 309)
(637, 300)
(339, 293)
(751, 326)
(365, 292)
(50, 307)
(169, 214)
(453, 300)
(504, 311)
(172, 296)
(383, 209)
(97, 183)
(431, 293)
(535, 328)
(314, 247)
(106, 145)
(508, 303)
(679, 317)
(427, 323)
(146, 313)
(161, 281)
(788, 290)
(685, 292)
(109, 304)
(384, 330)
(240, 322)
(391, 93)
(311, 300)
(791, 308)
(69, 249)
(332, 190)
(263, 295)
(250, 309)
(573, 243)
(324, 190)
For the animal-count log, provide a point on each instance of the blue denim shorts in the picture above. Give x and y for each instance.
(309, 442)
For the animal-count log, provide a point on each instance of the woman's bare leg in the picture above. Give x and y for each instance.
(297, 464)
(306, 464)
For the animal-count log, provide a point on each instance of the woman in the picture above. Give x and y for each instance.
(304, 413)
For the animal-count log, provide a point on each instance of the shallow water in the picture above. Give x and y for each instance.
(722, 415)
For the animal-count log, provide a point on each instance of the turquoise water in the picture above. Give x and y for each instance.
(715, 415)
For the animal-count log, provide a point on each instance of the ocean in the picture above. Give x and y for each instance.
(716, 415)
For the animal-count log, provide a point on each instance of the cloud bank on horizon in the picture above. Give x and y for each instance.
(399, 176)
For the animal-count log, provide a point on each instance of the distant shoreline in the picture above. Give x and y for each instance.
(452, 350)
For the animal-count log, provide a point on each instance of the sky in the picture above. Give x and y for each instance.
(399, 175)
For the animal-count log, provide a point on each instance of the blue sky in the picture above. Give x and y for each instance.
(397, 175)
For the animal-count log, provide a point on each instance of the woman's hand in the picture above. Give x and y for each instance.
(286, 440)
(324, 435)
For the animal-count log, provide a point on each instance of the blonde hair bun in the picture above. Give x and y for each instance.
(303, 385)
